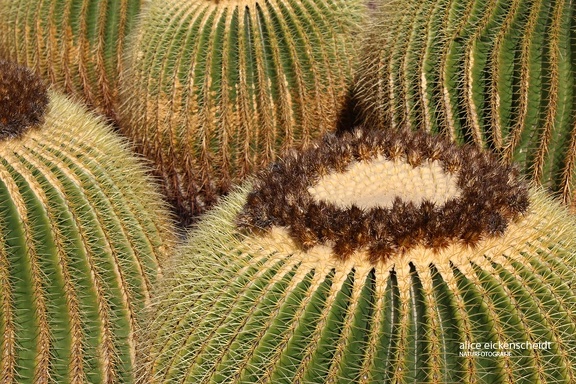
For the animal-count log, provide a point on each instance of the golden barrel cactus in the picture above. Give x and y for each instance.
(83, 234)
(213, 90)
(499, 74)
(373, 257)
(75, 45)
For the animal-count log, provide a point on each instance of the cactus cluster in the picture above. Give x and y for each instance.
(213, 90)
(407, 247)
(257, 296)
(82, 237)
(75, 45)
(496, 73)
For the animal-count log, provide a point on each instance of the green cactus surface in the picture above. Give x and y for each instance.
(496, 73)
(75, 45)
(82, 237)
(213, 90)
(372, 258)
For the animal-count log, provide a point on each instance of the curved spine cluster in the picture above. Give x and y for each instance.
(496, 73)
(82, 237)
(75, 45)
(216, 89)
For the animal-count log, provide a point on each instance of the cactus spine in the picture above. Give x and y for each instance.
(282, 283)
(76, 45)
(215, 89)
(496, 73)
(82, 236)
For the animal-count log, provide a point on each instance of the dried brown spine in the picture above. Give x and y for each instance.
(23, 99)
(492, 195)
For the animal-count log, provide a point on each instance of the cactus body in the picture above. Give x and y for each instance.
(496, 73)
(75, 45)
(292, 282)
(212, 90)
(82, 236)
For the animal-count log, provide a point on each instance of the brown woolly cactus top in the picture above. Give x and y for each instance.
(23, 99)
(385, 193)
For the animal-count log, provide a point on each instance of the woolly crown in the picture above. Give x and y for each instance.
(386, 192)
(23, 99)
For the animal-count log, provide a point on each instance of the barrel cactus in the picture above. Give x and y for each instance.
(373, 257)
(82, 236)
(213, 90)
(496, 73)
(76, 45)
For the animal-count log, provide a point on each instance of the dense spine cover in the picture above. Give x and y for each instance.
(496, 73)
(246, 306)
(82, 237)
(213, 90)
(75, 45)
(23, 100)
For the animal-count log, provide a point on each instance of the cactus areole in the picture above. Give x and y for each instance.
(372, 257)
(386, 193)
(23, 99)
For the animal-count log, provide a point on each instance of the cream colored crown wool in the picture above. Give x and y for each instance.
(375, 257)
(75, 45)
(213, 90)
(499, 74)
(83, 234)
